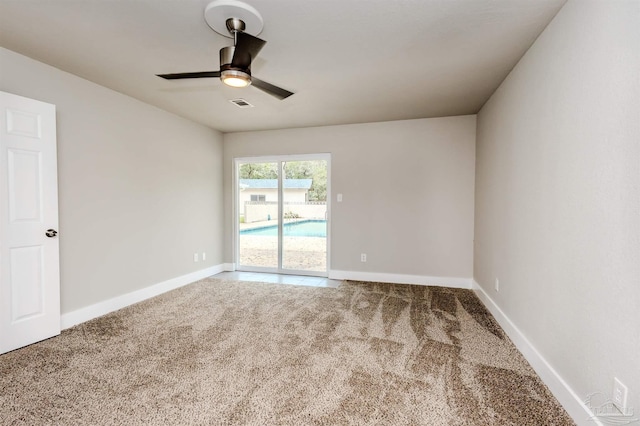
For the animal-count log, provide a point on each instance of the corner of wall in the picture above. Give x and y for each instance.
(571, 402)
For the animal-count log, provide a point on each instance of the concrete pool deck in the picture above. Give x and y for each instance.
(299, 253)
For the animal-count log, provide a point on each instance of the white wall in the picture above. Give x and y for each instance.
(407, 186)
(140, 189)
(558, 196)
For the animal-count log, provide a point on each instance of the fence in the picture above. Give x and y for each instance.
(256, 211)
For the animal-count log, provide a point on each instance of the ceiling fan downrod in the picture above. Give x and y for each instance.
(235, 25)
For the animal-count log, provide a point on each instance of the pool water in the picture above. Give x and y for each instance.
(305, 228)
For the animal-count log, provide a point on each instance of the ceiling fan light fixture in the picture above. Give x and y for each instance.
(237, 20)
(235, 78)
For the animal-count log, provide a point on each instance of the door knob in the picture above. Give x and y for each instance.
(51, 233)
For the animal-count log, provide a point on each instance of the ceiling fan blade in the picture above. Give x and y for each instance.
(276, 91)
(247, 48)
(201, 74)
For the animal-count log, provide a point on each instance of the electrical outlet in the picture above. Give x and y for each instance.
(204, 256)
(497, 285)
(363, 257)
(195, 257)
(619, 395)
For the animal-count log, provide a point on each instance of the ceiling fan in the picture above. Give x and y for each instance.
(235, 61)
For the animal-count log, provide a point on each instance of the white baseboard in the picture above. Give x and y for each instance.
(229, 267)
(454, 282)
(102, 308)
(560, 389)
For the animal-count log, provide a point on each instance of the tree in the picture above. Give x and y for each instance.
(316, 170)
(259, 171)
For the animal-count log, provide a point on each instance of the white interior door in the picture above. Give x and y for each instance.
(29, 259)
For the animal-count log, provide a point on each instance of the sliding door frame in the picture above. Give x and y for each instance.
(279, 160)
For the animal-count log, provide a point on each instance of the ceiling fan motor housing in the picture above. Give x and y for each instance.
(226, 57)
(233, 75)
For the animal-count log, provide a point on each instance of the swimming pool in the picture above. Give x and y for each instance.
(305, 228)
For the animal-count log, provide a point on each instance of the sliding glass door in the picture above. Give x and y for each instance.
(282, 214)
(258, 197)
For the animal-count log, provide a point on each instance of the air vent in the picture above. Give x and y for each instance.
(241, 103)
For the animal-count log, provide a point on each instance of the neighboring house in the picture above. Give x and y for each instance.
(258, 199)
(261, 190)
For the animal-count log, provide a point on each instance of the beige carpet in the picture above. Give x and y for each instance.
(227, 352)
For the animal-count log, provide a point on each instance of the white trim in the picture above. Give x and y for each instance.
(229, 267)
(455, 282)
(297, 272)
(559, 388)
(102, 308)
(328, 217)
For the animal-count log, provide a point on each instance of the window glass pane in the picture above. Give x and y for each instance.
(304, 239)
(258, 215)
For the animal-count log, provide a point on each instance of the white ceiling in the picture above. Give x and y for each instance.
(348, 61)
